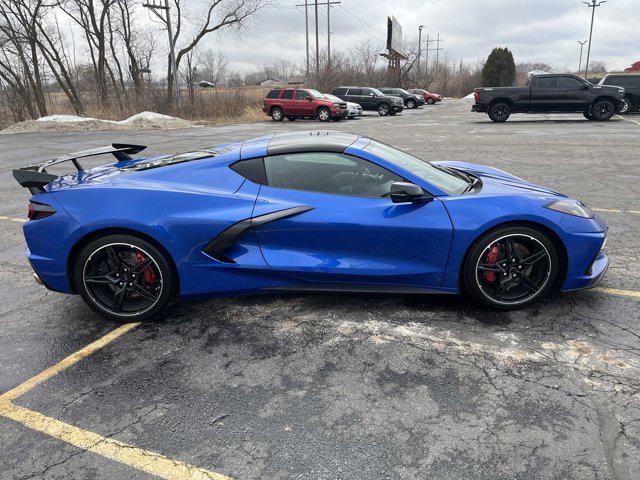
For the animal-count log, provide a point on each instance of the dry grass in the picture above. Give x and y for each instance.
(209, 106)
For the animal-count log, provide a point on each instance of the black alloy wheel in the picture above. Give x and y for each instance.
(511, 268)
(603, 110)
(291, 118)
(499, 112)
(124, 278)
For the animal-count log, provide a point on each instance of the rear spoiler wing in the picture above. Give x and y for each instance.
(35, 177)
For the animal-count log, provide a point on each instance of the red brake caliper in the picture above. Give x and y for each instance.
(149, 275)
(492, 257)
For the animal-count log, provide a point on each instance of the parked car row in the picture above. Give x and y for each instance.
(343, 102)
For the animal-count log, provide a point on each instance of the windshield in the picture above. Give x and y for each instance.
(315, 94)
(445, 181)
(377, 92)
(404, 91)
(331, 97)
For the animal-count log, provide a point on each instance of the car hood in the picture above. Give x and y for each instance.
(496, 181)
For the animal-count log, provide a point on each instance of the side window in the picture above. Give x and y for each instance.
(302, 95)
(287, 95)
(355, 91)
(546, 83)
(339, 91)
(332, 173)
(251, 169)
(367, 92)
(570, 84)
(273, 94)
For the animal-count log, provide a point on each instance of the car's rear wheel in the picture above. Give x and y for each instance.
(499, 112)
(277, 114)
(511, 267)
(602, 110)
(383, 109)
(430, 101)
(411, 104)
(291, 118)
(392, 112)
(324, 114)
(124, 278)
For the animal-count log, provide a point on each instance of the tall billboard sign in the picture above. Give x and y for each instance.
(394, 35)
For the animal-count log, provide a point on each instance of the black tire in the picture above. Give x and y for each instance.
(291, 118)
(505, 281)
(323, 114)
(602, 110)
(383, 109)
(277, 114)
(114, 261)
(430, 101)
(393, 113)
(499, 112)
(587, 115)
(411, 104)
(337, 119)
(625, 106)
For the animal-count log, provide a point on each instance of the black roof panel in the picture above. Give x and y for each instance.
(282, 143)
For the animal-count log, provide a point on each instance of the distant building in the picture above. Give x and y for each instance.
(270, 81)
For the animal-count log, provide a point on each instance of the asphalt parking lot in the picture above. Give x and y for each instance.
(327, 386)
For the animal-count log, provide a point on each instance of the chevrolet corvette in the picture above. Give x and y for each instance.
(311, 211)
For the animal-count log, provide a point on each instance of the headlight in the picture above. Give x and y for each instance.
(571, 207)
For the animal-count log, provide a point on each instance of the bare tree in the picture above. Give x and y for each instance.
(219, 14)
(214, 65)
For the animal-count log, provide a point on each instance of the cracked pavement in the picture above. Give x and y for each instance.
(328, 386)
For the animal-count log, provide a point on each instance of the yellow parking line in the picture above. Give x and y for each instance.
(609, 210)
(628, 119)
(67, 362)
(144, 460)
(615, 291)
(12, 219)
(147, 461)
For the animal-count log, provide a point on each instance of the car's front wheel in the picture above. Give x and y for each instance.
(324, 114)
(625, 106)
(124, 278)
(511, 267)
(383, 109)
(602, 110)
(411, 104)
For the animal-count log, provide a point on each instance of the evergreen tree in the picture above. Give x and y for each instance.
(500, 69)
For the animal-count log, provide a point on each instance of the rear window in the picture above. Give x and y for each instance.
(546, 82)
(273, 94)
(622, 80)
(339, 91)
(355, 91)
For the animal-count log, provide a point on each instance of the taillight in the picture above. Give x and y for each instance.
(476, 94)
(39, 210)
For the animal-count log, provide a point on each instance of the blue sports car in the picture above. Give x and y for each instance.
(321, 211)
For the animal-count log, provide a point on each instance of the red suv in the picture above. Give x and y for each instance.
(302, 102)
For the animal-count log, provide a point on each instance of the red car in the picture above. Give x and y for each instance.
(302, 103)
(430, 98)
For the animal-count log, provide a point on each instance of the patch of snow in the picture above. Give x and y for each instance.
(147, 117)
(64, 118)
(469, 97)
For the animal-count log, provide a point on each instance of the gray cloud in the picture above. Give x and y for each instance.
(535, 30)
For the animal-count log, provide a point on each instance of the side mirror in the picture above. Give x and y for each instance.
(405, 192)
(584, 87)
(371, 94)
(309, 98)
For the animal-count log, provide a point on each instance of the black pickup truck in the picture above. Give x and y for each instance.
(550, 93)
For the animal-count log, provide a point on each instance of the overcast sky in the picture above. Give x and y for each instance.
(535, 30)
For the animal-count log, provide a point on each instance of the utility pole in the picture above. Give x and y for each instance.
(328, 35)
(438, 40)
(317, 4)
(420, 47)
(306, 31)
(581, 47)
(175, 90)
(592, 5)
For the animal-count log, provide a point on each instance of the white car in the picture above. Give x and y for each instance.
(353, 109)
